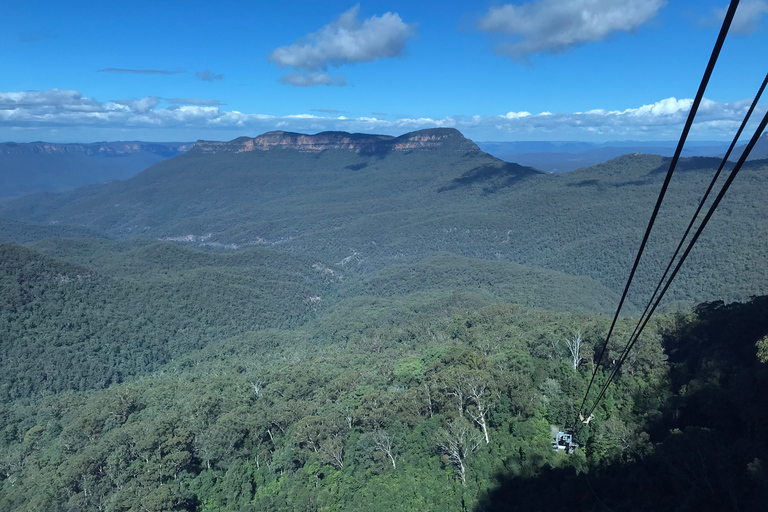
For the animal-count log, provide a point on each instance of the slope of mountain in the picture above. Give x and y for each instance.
(23, 232)
(759, 152)
(367, 203)
(134, 307)
(83, 313)
(498, 281)
(567, 156)
(48, 167)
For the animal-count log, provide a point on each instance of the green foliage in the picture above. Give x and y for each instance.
(762, 350)
(66, 326)
(289, 424)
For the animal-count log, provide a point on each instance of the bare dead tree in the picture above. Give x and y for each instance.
(257, 386)
(457, 443)
(428, 394)
(383, 442)
(332, 452)
(574, 347)
(481, 407)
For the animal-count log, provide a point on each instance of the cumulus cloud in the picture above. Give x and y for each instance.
(344, 41)
(310, 79)
(140, 105)
(139, 71)
(557, 25)
(52, 101)
(208, 76)
(746, 19)
(661, 120)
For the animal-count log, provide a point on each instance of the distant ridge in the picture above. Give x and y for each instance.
(34, 167)
(358, 142)
(118, 148)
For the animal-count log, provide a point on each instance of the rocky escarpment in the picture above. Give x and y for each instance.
(166, 149)
(358, 142)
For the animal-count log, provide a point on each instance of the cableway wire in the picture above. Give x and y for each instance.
(673, 163)
(712, 208)
(698, 211)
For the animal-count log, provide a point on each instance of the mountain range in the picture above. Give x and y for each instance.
(367, 202)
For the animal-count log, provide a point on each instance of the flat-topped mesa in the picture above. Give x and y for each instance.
(358, 142)
(433, 138)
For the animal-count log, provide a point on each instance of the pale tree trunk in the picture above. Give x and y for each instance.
(574, 347)
(457, 442)
(476, 393)
(384, 444)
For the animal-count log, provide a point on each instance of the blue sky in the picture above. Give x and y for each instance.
(593, 70)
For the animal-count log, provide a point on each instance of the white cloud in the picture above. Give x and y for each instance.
(68, 110)
(344, 41)
(666, 107)
(51, 100)
(556, 25)
(746, 19)
(141, 105)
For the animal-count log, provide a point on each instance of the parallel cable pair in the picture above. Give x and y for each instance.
(655, 300)
(643, 321)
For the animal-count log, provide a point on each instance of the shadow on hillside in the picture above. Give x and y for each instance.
(694, 163)
(586, 183)
(493, 176)
(378, 150)
(711, 450)
(601, 186)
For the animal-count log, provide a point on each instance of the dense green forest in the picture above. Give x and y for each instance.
(66, 326)
(397, 419)
(83, 313)
(399, 330)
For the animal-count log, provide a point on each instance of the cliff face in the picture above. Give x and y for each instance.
(358, 142)
(95, 149)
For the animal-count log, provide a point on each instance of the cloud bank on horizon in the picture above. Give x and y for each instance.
(71, 109)
(344, 41)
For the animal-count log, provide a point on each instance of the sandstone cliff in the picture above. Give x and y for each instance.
(358, 142)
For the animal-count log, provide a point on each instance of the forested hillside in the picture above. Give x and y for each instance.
(84, 313)
(447, 412)
(372, 209)
(68, 326)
